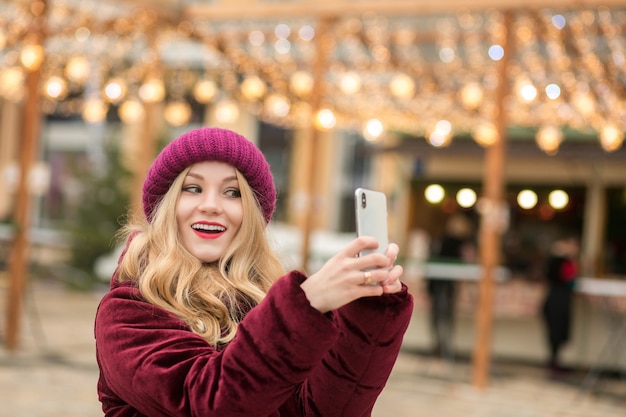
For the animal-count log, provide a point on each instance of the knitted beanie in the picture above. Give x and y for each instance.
(210, 144)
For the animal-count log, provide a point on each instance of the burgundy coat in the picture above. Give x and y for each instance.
(287, 359)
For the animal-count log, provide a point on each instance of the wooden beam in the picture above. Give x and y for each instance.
(31, 126)
(324, 50)
(493, 217)
(233, 10)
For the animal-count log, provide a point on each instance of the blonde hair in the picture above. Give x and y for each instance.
(211, 298)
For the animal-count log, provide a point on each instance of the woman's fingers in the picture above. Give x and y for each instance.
(393, 284)
(346, 276)
(392, 252)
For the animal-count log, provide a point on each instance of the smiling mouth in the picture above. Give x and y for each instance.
(209, 229)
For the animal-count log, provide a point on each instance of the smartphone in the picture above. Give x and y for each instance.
(371, 217)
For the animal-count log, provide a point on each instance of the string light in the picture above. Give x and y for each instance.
(527, 199)
(204, 91)
(549, 139)
(32, 57)
(131, 111)
(152, 91)
(115, 90)
(434, 193)
(325, 119)
(372, 130)
(227, 111)
(611, 138)
(94, 110)
(55, 88)
(466, 197)
(177, 113)
(558, 199)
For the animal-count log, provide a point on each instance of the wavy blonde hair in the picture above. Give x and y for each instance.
(211, 298)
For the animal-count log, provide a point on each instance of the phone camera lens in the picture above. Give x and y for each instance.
(363, 200)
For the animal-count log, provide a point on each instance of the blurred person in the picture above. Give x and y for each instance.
(456, 246)
(202, 320)
(561, 273)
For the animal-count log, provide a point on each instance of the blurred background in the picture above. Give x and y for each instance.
(509, 113)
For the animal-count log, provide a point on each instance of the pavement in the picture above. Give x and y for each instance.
(53, 373)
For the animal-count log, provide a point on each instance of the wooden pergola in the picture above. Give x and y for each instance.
(325, 14)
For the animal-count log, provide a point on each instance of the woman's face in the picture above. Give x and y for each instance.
(209, 211)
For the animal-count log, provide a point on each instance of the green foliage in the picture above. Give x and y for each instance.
(103, 204)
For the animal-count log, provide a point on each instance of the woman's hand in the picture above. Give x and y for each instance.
(346, 277)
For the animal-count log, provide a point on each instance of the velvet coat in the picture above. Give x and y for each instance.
(287, 360)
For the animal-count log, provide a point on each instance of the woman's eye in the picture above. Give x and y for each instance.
(192, 189)
(233, 193)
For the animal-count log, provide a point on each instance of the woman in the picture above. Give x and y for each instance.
(202, 320)
(561, 275)
(457, 246)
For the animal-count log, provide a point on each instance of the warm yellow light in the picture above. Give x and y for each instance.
(558, 199)
(350, 83)
(527, 199)
(466, 197)
(131, 111)
(443, 126)
(441, 135)
(55, 87)
(177, 113)
(485, 134)
(253, 87)
(472, 95)
(611, 138)
(12, 82)
(205, 91)
(527, 92)
(434, 193)
(277, 105)
(325, 119)
(227, 111)
(77, 69)
(94, 110)
(402, 86)
(373, 129)
(301, 83)
(549, 139)
(583, 102)
(32, 57)
(152, 91)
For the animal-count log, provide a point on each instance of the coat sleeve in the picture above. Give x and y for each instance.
(150, 360)
(353, 373)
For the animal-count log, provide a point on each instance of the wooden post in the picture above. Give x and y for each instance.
(143, 154)
(493, 218)
(324, 46)
(31, 126)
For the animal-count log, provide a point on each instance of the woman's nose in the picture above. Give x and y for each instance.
(210, 203)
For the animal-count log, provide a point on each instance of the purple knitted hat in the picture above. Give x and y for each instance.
(210, 144)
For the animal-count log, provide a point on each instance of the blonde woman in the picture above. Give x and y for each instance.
(202, 320)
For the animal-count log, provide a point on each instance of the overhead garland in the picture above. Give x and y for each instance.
(430, 76)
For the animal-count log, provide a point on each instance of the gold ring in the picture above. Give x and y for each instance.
(367, 277)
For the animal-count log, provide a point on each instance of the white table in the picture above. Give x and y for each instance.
(459, 271)
(615, 345)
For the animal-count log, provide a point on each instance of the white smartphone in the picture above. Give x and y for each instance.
(371, 217)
